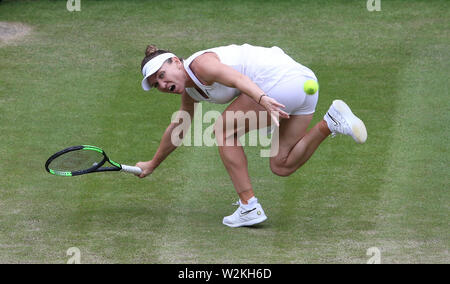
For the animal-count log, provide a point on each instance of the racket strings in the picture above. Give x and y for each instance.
(76, 161)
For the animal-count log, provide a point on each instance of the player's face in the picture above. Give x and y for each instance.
(170, 78)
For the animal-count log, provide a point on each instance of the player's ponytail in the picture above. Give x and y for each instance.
(152, 51)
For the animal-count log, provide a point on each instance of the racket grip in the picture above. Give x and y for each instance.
(131, 169)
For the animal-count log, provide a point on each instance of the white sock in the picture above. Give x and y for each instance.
(250, 203)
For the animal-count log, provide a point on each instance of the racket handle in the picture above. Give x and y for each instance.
(131, 169)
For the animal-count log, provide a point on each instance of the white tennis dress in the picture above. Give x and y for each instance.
(277, 74)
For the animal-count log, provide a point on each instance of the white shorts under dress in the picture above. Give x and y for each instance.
(291, 94)
(276, 73)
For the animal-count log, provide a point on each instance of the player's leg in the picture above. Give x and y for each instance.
(227, 132)
(296, 144)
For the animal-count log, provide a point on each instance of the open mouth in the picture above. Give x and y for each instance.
(172, 88)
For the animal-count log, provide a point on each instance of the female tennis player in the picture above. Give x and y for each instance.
(254, 79)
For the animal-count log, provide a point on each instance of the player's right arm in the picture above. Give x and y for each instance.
(166, 146)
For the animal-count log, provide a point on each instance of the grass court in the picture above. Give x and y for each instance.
(73, 78)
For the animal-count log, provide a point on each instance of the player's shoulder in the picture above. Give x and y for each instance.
(204, 60)
(205, 67)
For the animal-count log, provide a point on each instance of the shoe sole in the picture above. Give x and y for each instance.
(359, 131)
(248, 223)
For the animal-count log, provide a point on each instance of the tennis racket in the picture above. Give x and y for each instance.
(80, 160)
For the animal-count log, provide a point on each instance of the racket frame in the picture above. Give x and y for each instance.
(94, 169)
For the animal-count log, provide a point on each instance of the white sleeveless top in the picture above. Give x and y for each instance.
(264, 66)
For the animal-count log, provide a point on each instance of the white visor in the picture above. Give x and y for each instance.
(152, 66)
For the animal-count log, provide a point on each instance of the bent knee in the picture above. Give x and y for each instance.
(281, 170)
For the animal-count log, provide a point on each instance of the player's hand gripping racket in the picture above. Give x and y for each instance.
(80, 160)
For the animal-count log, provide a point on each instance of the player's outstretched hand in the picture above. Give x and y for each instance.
(274, 108)
(147, 168)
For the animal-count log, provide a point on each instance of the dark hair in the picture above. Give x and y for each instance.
(152, 51)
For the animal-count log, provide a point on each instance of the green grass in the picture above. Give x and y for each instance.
(76, 80)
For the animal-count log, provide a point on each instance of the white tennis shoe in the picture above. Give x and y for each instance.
(246, 215)
(340, 119)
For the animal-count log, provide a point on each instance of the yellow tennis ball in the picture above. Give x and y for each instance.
(311, 87)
